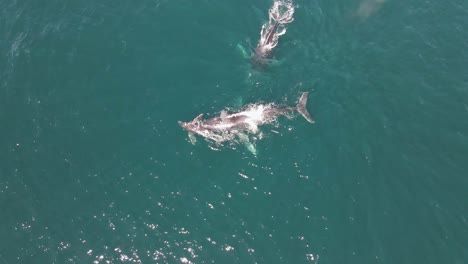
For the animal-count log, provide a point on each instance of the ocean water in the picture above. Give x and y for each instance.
(95, 169)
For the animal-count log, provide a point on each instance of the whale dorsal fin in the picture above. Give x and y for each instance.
(198, 118)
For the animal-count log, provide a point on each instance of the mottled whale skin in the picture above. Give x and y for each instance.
(227, 126)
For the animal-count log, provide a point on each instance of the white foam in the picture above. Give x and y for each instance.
(255, 113)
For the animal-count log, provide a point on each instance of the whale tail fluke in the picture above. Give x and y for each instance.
(301, 107)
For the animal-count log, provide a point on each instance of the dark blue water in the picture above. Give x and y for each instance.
(95, 169)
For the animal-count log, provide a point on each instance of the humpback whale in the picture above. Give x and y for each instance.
(229, 126)
(280, 14)
(265, 46)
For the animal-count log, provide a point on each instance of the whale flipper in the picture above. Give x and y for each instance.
(301, 107)
(192, 138)
(246, 141)
(243, 51)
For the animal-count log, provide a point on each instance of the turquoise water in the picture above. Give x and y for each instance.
(94, 167)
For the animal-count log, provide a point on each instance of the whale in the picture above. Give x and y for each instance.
(265, 46)
(280, 14)
(229, 126)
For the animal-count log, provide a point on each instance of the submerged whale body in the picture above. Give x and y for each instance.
(228, 127)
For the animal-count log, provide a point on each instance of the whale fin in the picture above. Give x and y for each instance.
(243, 51)
(301, 107)
(192, 138)
(198, 118)
(246, 141)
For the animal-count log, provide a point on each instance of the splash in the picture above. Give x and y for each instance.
(280, 14)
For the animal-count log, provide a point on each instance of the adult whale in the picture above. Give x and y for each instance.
(265, 45)
(280, 14)
(229, 126)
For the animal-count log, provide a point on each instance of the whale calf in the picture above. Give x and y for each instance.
(238, 125)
